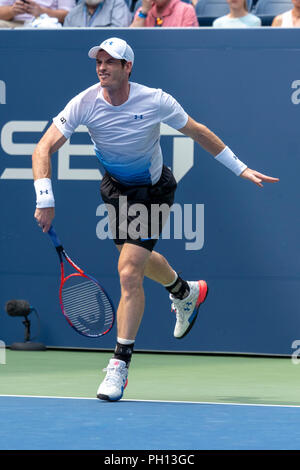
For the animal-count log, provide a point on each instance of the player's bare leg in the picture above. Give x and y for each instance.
(134, 263)
(186, 296)
(131, 267)
(157, 268)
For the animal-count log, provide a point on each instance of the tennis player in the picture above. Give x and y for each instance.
(123, 119)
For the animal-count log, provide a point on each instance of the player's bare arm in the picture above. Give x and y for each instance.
(51, 141)
(214, 145)
(203, 136)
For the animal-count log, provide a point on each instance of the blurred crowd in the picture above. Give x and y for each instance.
(147, 13)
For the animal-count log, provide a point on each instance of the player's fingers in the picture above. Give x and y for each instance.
(46, 227)
(268, 179)
(253, 176)
(37, 216)
(257, 181)
(45, 222)
(44, 218)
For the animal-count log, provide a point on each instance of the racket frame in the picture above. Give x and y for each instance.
(63, 255)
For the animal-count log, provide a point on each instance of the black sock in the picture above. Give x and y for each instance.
(179, 289)
(123, 352)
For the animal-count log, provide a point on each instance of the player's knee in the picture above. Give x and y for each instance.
(131, 277)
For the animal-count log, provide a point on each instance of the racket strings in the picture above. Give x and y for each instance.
(87, 306)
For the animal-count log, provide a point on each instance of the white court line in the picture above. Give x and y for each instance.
(158, 401)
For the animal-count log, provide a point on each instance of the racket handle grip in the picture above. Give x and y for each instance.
(56, 241)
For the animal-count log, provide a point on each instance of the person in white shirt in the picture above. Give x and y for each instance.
(290, 18)
(16, 13)
(123, 119)
(238, 17)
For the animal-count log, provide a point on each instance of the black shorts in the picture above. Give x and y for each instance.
(137, 213)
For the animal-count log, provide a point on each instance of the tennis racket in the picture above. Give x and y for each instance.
(84, 303)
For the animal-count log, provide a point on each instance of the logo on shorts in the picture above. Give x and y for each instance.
(63, 120)
(138, 116)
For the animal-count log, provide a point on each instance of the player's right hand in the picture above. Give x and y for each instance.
(44, 217)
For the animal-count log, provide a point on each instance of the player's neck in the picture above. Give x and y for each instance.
(118, 96)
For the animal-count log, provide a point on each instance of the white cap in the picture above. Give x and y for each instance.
(116, 47)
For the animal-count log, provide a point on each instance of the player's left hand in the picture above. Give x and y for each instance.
(257, 178)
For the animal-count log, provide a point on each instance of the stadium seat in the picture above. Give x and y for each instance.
(266, 10)
(213, 8)
(208, 10)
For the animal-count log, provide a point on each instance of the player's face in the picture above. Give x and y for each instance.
(110, 71)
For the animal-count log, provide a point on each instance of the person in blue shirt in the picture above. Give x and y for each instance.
(99, 14)
(238, 17)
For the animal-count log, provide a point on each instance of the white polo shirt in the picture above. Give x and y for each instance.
(126, 137)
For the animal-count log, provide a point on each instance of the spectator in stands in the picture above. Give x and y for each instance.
(99, 14)
(14, 13)
(290, 18)
(165, 13)
(238, 17)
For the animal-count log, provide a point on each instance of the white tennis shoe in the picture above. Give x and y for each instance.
(186, 310)
(115, 382)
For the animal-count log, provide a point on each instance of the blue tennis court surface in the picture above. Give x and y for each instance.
(41, 423)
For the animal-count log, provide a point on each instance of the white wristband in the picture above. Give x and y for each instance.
(227, 158)
(44, 193)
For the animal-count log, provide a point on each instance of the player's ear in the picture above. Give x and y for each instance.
(128, 67)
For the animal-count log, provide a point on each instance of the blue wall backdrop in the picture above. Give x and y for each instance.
(245, 86)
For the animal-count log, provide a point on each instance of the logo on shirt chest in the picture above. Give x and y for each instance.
(138, 116)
